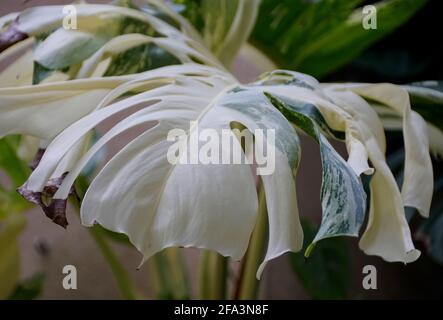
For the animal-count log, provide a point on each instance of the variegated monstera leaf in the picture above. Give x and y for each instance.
(102, 41)
(160, 204)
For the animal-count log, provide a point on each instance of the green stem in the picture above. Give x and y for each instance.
(219, 268)
(213, 275)
(169, 275)
(203, 276)
(178, 273)
(248, 284)
(124, 283)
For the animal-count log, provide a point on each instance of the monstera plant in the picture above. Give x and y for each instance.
(70, 70)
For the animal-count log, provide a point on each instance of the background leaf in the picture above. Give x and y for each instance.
(10, 229)
(326, 273)
(140, 58)
(224, 24)
(427, 99)
(14, 167)
(317, 37)
(17, 171)
(30, 288)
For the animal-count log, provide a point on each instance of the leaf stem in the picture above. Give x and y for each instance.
(256, 56)
(213, 276)
(124, 282)
(168, 272)
(248, 283)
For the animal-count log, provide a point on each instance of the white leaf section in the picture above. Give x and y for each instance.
(158, 204)
(387, 234)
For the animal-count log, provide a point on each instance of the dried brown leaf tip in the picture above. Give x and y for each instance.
(38, 156)
(54, 209)
(11, 36)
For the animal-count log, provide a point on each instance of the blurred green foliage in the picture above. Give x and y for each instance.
(326, 274)
(318, 37)
(30, 288)
(10, 229)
